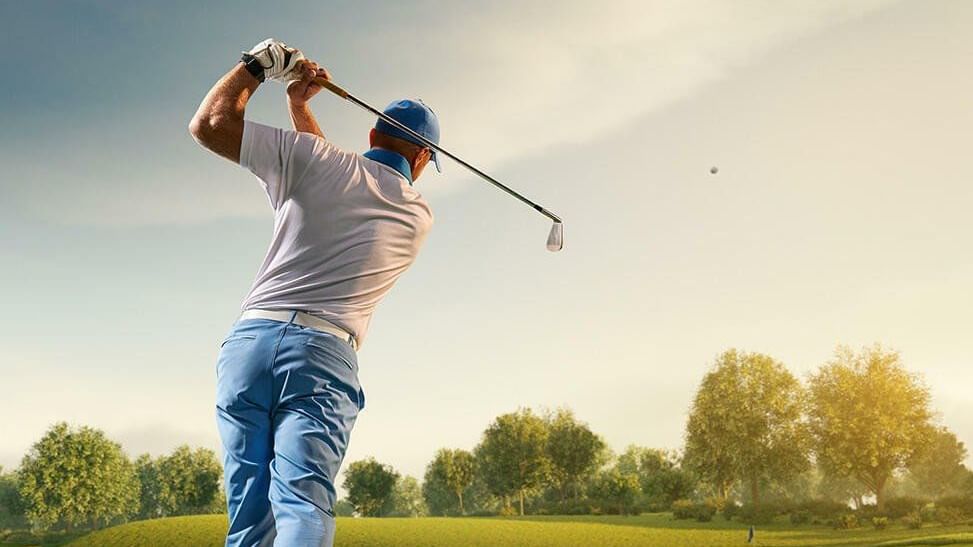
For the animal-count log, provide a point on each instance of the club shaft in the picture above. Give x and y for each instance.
(334, 88)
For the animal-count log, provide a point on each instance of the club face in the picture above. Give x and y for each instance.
(555, 239)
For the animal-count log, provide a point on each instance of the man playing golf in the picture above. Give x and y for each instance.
(346, 226)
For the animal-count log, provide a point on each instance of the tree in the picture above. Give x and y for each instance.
(661, 476)
(617, 488)
(77, 477)
(185, 482)
(512, 455)
(797, 488)
(343, 508)
(869, 417)
(407, 499)
(370, 486)
(192, 479)
(438, 497)
(459, 468)
(11, 507)
(842, 489)
(574, 451)
(746, 423)
(939, 468)
(450, 471)
(153, 501)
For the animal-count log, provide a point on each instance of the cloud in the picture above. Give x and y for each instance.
(509, 80)
(534, 78)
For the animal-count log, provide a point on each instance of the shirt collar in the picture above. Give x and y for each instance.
(392, 159)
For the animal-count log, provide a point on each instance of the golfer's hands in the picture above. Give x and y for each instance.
(300, 91)
(278, 59)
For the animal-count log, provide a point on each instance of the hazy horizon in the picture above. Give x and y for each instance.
(839, 214)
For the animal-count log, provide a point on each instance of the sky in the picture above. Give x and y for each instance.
(840, 213)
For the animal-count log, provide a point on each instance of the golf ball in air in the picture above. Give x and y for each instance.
(713, 170)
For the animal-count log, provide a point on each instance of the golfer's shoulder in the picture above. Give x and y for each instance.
(411, 199)
(323, 149)
(322, 158)
(396, 196)
(424, 214)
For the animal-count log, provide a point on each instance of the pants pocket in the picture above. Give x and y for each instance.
(232, 347)
(336, 359)
(237, 337)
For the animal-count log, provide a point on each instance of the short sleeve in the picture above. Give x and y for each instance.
(280, 158)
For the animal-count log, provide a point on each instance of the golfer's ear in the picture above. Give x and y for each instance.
(371, 137)
(417, 158)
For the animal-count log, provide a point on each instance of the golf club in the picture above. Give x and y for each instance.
(555, 239)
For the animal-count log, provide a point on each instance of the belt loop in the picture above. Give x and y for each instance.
(293, 317)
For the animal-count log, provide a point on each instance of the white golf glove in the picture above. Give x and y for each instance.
(278, 60)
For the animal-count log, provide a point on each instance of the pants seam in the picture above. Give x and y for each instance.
(270, 371)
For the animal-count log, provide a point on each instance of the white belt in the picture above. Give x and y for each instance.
(303, 319)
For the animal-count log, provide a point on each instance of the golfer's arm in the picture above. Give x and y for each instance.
(303, 119)
(218, 123)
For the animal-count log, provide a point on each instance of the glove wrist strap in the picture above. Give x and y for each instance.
(253, 66)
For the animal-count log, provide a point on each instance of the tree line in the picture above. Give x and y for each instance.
(862, 420)
(77, 478)
(857, 432)
(857, 429)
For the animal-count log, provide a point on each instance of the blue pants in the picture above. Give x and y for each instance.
(287, 398)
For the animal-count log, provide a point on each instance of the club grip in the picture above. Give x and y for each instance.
(332, 87)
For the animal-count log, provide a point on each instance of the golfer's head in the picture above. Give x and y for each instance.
(418, 117)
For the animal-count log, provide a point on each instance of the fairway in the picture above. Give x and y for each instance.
(654, 529)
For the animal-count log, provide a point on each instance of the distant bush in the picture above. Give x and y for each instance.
(963, 504)
(782, 506)
(730, 510)
(913, 520)
(846, 521)
(896, 508)
(684, 509)
(823, 509)
(762, 514)
(705, 512)
(688, 509)
(880, 523)
(343, 508)
(928, 513)
(507, 511)
(949, 515)
(802, 516)
(482, 513)
(869, 511)
(608, 509)
(576, 507)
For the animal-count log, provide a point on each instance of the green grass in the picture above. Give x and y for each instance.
(556, 531)
(24, 538)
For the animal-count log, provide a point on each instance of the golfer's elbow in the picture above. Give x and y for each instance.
(220, 133)
(206, 127)
(197, 128)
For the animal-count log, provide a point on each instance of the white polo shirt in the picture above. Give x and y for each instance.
(345, 227)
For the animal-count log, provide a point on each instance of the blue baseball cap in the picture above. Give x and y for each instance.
(414, 114)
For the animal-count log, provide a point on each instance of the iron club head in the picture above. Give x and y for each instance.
(555, 239)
